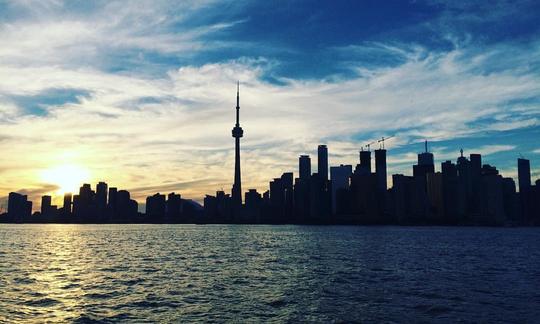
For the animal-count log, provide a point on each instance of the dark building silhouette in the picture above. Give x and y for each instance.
(425, 163)
(45, 204)
(524, 174)
(66, 209)
(319, 200)
(322, 162)
(304, 167)
(19, 208)
(492, 197)
(218, 208)
(340, 179)
(84, 205)
(174, 209)
(526, 191)
(409, 203)
(476, 181)
(365, 163)
(155, 208)
(253, 207)
(450, 209)
(127, 208)
(101, 200)
(302, 190)
(49, 212)
(237, 133)
(287, 181)
(364, 199)
(277, 201)
(380, 169)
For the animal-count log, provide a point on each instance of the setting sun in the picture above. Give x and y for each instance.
(67, 177)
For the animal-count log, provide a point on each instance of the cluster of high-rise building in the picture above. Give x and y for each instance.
(103, 205)
(466, 192)
(463, 193)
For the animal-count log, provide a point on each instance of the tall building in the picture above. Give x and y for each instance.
(304, 167)
(174, 208)
(155, 208)
(113, 198)
(340, 177)
(277, 200)
(19, 208)
(425, 163)
(524, 174)
(526, 195)
(476, 163)
(287, 180)
(45, 204)
(380, 169)
(322, 162)
(476, 183)
(365, 163)
(452, 211)
(101, 195)
(237, 133)
(67, 204)
(253, 201)
(126, 207)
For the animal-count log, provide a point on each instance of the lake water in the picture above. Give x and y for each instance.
(185, 273)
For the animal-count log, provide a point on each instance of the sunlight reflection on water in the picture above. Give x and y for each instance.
(123, 273)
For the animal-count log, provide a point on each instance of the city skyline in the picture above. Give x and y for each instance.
(468, 192)
(89, 94)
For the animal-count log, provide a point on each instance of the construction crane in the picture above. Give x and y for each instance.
(369, 145)
(381, 141)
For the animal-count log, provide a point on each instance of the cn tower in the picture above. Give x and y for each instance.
(237, 133)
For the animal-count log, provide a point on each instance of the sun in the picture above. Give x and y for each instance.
(67, 177)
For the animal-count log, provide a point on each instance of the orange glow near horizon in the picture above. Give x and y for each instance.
(68, 177)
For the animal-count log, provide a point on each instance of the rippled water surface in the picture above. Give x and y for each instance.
(183, 273)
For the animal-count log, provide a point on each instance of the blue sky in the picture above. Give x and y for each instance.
(141, 93)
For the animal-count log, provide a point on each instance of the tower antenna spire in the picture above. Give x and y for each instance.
(237, 103)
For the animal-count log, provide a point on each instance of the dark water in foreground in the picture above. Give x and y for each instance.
(183, 273)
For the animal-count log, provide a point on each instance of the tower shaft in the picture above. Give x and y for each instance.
(237, 133)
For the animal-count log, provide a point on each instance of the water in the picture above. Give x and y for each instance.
(185, 273)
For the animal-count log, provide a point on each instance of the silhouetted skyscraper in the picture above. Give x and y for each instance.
(155, 208)
(476, 163)
(127, 207)
(524, 174)
(174, 208)
(322, 162)
(45, 204)
(425, 163)
(237, 133)
(113, 198)
(339, 176)
(305, 167)
(380, 169)
(425, 158)
(365, 163)
(287, 180)
(67, 203)
(19, 208)
(101, 195)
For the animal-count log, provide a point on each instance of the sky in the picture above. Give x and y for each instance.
(141, 94)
